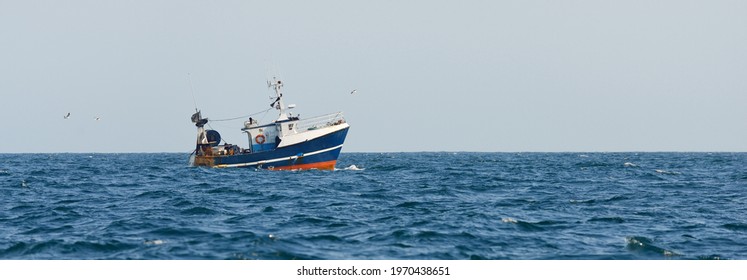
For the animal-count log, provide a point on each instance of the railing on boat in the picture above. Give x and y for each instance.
(320, 122)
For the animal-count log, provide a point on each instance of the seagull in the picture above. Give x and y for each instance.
(97, 118)
(353, 91)
(67, 116)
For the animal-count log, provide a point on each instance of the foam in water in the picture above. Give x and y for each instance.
(354, 168)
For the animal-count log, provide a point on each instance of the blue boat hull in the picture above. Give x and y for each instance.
(318, 153)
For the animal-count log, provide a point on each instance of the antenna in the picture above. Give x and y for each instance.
(189, 78)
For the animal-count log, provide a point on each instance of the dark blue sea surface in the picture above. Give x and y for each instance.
(377, 206)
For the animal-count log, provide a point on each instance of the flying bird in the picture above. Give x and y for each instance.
(67, 116)
(97, 118)
(353, 91)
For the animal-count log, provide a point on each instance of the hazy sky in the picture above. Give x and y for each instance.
(498, 76)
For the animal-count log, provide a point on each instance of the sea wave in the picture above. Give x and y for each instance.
(400, 206)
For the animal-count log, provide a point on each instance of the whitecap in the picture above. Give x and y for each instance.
(154, 242)
(583, 156)
(509, 220)
(354, 168)
(630, 164)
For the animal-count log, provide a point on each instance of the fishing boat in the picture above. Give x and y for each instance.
(286, 143)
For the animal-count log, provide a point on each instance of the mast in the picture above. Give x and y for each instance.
(278, 103)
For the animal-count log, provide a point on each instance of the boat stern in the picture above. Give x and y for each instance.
(206, 161)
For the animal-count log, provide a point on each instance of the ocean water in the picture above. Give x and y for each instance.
(449, 206)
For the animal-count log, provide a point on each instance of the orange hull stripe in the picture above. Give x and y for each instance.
(326, 165)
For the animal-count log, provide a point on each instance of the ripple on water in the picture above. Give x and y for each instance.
(614, 220)
(199, 210)
(735, 226)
